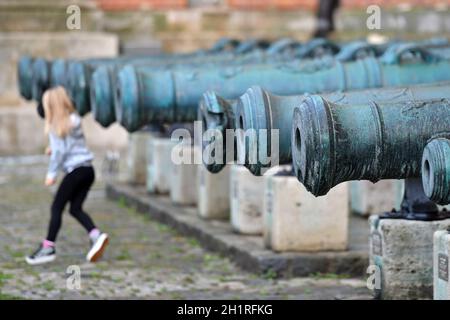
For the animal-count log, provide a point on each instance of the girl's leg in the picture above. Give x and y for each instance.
(63, 195)
(99, 241)
(86, 177)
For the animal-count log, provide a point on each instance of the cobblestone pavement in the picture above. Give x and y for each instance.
(145, 259)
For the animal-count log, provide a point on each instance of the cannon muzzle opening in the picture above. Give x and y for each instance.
(217, 115)
(254, 143)
(436, 170)
(312, 145)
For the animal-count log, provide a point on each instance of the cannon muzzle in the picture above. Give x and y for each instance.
(333, 143)
(436, 170)
(217, 115)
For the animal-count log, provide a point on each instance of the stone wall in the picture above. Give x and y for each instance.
(189, 28)
(38, 28)
(183, 25)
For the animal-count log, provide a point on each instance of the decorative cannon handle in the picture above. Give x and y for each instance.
(214, 103)
(356, 50)
(396, 53)
(249, 45)
(224, 43)
(436, 170)
(317, 47)
(281, 45)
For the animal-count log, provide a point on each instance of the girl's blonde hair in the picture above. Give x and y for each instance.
(57, 107)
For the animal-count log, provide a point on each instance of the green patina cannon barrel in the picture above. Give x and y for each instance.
(40, 78)
(24, 76)
(102, 83)
(56, 76)
(58, 73)
(333, 143)
(218, 114)
(36, 75)
(213, 107)
(259, 110)
(436, 169)
(81, 72)
(147, 96)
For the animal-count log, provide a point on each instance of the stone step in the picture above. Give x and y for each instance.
(248, 252)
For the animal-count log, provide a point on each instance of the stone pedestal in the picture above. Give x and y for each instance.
(137, 157)
(246, 201)
(441, 266)
(159, 164)
(213, 193)
(402, 250)
(183, 181)
(368, 198)
(295, 220)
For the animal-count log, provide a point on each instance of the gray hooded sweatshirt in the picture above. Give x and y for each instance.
(70, 152)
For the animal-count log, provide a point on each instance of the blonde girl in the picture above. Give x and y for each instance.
(68, 153)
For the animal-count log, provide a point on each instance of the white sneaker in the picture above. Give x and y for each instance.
(41, 255)
(97, 248)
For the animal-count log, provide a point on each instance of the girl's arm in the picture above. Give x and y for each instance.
(58, 147)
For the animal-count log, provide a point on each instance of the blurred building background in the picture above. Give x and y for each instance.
(110, 27)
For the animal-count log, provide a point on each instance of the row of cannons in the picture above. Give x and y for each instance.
(328, 114)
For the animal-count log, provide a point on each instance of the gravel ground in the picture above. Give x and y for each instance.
(145, 259)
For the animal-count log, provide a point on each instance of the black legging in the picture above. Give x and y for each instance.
(74, 189)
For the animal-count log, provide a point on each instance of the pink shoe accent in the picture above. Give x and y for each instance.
(48, 244)
(94, 233)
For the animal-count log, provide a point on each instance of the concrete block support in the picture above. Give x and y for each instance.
(246, 201)
(441, 267)
(183, 181)
(295, 220)
(137, 157)
(402, 251)
(158, 164)
(214, 193)
(368, 198)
